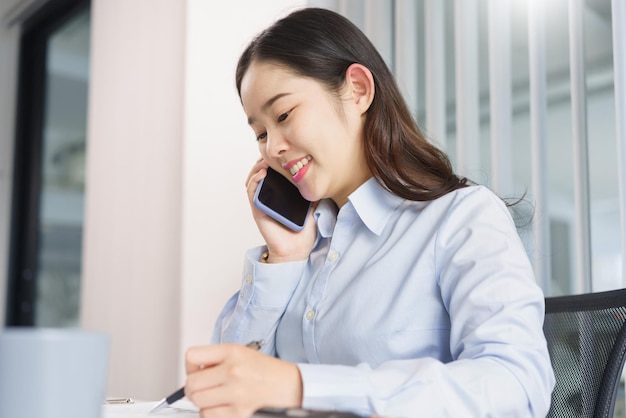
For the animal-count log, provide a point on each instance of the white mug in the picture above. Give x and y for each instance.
(52, 373)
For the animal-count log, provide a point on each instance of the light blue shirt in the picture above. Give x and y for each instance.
(404, 309)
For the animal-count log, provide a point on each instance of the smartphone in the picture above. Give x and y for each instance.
(301, 413)
(281, 200)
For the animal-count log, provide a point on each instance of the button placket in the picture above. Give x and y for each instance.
(339, 241)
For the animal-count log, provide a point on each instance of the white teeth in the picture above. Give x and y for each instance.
(297, 166)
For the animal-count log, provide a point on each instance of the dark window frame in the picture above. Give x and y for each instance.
(25, 199)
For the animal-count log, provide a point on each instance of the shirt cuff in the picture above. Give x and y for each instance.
(334, 387)
(270, 285)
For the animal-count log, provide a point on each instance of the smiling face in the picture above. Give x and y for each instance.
(306, 133)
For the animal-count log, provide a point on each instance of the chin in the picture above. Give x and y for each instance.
(309, 195)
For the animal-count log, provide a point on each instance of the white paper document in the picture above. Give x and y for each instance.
(182, 409)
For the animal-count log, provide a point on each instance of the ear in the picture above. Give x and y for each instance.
(360, 87)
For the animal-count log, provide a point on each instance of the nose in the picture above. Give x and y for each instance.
(276, 144)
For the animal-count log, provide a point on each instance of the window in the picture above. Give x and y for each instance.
(48, 185)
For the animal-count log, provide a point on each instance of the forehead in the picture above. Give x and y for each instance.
(265, 71)
(264, 80)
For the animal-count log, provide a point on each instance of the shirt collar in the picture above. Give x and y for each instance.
(373, 204)
(326, 217)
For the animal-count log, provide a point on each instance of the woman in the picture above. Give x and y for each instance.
(408, 292)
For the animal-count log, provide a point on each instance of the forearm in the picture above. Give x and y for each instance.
(253, 313)
(476, 388)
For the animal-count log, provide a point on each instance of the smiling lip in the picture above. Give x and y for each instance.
(297, 168)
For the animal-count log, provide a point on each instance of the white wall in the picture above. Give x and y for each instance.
(218, 153)
(166, 219)
(131, 256)
(9, 38)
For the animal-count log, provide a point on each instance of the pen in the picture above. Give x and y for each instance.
(180, 393)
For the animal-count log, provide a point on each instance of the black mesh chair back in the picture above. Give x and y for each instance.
(586, 337)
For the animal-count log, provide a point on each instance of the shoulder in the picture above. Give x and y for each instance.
(462, 208)
(465, 199)
(477, 192)
(473, 210)
(468, 209)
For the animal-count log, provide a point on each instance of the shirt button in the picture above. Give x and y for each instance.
(333, 256)
(249, 279)
(310, 315)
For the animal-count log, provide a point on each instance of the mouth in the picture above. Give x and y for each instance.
(295, 166)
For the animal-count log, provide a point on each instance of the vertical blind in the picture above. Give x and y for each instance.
(619, 63)
(500, 90)
(581, 151)
(538, 140)
(433, 48)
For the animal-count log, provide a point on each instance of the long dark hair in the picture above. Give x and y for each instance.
(321, 44)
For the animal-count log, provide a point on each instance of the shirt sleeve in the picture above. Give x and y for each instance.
(500, 365)
(253, 313)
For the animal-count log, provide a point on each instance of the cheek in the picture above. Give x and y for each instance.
(262, 149)
(311, 132)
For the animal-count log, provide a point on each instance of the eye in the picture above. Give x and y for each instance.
(261, 136)
(284, 116)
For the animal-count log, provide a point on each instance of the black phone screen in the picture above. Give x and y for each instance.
(280, 196)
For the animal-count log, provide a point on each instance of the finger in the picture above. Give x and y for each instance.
(253, 184)
(218, 412)
(205, 379)
(214, 397)
(210, 388)
(226, 411)
(199, 357)
(259, 165)
(255, 178)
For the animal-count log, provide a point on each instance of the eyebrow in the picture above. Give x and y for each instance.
(269, 103)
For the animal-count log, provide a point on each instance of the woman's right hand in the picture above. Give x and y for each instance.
(283, 244)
